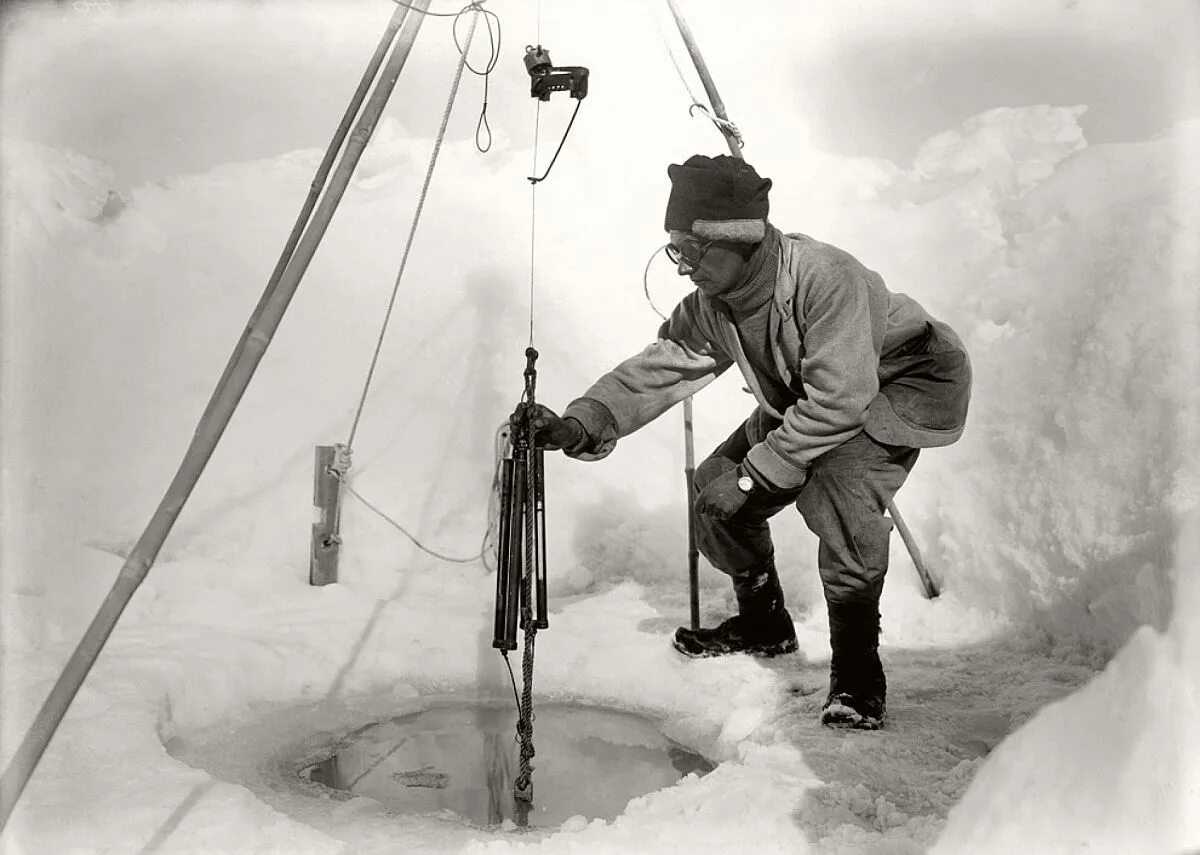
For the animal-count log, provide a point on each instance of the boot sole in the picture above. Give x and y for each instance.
(842, 717)
(770, 652)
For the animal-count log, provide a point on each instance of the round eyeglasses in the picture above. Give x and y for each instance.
(689, 251)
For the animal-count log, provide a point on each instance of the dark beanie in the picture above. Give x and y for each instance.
(719, 198)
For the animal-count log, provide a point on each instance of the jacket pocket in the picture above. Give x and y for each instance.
(928, 381)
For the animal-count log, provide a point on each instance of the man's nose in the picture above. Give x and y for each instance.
(684, 269)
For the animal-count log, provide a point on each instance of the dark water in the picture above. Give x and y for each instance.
(464, 759)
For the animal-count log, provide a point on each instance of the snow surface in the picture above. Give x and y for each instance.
(1048, 702)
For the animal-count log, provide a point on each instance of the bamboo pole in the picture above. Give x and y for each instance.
(710, 88)
(689, 451)
(689, 477)
(318, 183)
(212, 425)
(929, 586)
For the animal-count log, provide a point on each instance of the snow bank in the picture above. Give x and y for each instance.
(1135, 728)
(1083, 337)
(1113, 767)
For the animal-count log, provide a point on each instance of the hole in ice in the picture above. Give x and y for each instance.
(464, 759)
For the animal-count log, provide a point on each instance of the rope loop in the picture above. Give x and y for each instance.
(725, 126)
(341, 460)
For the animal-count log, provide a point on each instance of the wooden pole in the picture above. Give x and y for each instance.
(718, 106)
(689, 477)
(929, 586)
(710, 88)
(212, 425)
(689, 452)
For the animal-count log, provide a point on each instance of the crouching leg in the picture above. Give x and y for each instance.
(843, 503)
(741, 547)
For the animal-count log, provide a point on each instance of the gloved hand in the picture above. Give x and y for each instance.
(549, 431)
(721, 498)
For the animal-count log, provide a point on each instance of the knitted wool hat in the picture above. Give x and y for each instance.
(718, 198)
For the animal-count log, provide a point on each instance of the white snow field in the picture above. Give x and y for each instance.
(1048, 701)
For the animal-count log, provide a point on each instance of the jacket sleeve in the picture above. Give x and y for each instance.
(837, 373)
(680, 363)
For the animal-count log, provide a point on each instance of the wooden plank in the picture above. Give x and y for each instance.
(323, 567)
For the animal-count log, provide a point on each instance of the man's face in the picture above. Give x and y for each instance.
(713, 266)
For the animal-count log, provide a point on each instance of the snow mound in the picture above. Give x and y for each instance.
(48, 191)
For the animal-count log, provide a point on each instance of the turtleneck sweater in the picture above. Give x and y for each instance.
(749, 306)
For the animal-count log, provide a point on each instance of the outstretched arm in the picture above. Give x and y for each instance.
(680, 363)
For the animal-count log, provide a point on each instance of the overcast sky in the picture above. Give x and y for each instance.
(160, 88)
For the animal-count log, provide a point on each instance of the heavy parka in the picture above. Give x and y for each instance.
(849, 355)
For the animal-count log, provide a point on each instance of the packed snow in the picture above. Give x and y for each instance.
(1049, 701)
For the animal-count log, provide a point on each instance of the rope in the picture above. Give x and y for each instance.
(494, 40)
(437, 146)
(524, 783)
(340, 469)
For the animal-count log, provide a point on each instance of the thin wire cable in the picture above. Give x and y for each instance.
(646, 281)
(495, 41)
(533, 198)
(487, 545)
(513, 677)
(437, 147)
(479, 556)
(561, 143)
(463, 50)
(725, 126)
(679, 71)
(537, 122)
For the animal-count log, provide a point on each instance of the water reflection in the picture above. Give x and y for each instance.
(589, 762)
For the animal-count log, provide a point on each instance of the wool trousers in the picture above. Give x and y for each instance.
(842, 502)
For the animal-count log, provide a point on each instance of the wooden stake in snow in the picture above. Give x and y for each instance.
(327, 497)
(689, 449)
(212, 425)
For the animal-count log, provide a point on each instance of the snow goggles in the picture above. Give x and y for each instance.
(689, 251)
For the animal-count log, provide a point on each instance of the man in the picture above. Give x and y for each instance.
(850, 380)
